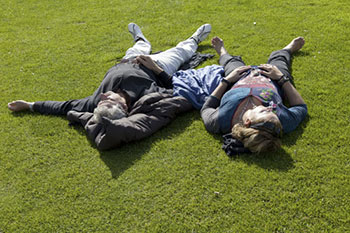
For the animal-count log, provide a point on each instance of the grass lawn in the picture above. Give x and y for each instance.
(52, 179)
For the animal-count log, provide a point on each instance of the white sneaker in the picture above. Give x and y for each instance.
(201, 33)
(136, 32)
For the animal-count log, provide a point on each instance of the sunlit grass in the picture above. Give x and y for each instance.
(52, 179)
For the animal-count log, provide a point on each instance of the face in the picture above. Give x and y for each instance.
(259, 114)
(110, 98)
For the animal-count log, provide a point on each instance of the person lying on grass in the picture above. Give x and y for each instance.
(135, 97)
(248, 102)
(123, 84)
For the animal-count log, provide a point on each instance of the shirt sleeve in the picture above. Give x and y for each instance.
(210, 114)
(292, 117)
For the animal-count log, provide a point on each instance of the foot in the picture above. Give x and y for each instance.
(19, 105)
(218, 45)
(136, 32)
(296, 44)
(201, 33)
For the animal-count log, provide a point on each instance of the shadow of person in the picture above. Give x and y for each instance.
(276, 160)
(122, 158)
(204, 47)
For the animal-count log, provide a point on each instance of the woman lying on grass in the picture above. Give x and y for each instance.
(248, 102)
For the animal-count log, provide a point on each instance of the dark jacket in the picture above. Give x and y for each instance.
(150, 113)
(135, 80)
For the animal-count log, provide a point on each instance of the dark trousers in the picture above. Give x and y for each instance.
(281, 58)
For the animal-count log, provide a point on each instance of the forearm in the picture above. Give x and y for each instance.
(220, 90)
(292, 95)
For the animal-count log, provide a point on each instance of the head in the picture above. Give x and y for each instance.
(112, 105)
(261, 130)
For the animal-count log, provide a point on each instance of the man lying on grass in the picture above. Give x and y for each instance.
(135, 97)
(248, 103)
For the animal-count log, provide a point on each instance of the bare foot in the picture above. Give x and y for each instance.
(218, 45)
(18, 105)
(296, 44)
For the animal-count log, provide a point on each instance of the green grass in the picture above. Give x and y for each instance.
(52, 179)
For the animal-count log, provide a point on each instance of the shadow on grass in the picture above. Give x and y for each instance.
(276, 160)
(120, 159)
(202, 48)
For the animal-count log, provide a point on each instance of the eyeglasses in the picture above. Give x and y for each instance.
(268, 127)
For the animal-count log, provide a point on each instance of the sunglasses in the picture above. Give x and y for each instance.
(268, 127)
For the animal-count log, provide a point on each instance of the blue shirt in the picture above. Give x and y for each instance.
(290, 118)
(217, 115)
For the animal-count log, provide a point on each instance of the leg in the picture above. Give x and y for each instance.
(282, 58)
(20, 105)
(230, 63)
(171, 59)
(141, 47)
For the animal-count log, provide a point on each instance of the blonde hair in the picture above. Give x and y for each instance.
(256, 140)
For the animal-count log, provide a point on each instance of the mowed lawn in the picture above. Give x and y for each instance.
(53, 179)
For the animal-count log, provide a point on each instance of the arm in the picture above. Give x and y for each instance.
(232, 78)
(210, 109)
(210, 114)
(293, 96)
(165, 78)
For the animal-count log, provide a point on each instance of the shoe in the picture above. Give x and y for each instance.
(136, 32)
(201, 33)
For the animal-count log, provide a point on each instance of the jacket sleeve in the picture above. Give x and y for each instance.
(166, 80)
(62, 107)
(149, 115)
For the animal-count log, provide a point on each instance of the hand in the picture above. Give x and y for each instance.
(149, 63)
(270, 71)
(237, 73)
(18, 105)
